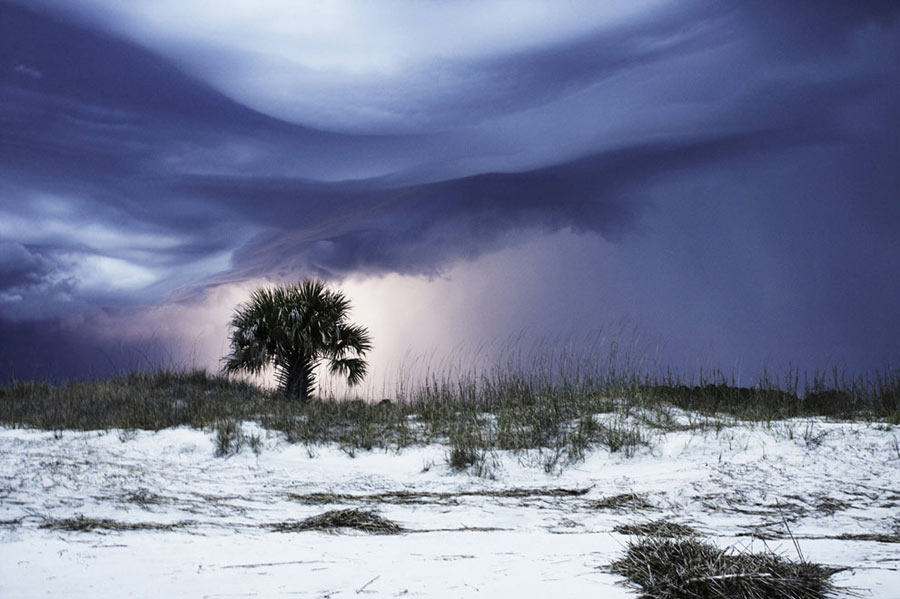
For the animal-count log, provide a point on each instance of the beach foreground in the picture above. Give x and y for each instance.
(157, 514)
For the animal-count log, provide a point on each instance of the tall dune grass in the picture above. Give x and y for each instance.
(561, 404)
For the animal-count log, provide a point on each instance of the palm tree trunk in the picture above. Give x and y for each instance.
(297, 380)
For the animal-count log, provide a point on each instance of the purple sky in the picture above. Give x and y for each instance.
(721, 177)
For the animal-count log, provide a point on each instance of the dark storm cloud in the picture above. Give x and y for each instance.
(93, 130)
(419, 229)
(30, 281)
(20, 268)
(141, 180)
(810, 27)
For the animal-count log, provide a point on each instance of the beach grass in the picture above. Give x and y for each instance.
(559, 414)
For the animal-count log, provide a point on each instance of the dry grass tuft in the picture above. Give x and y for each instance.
(692, 569)
(144, 498)
(830, 505)
(657, 528)
(369, 522)
(414, 497)
(82, 523)
(322, 498)
(631, 501)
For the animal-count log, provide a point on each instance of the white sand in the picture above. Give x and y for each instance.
(721, 484)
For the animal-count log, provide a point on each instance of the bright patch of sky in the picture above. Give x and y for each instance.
(69, 221)
(348, 64)
(103, 273)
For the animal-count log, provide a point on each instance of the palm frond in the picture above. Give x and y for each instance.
(349, 339)
(354, 369)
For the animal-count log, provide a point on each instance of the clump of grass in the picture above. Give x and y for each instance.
(369, 522)
(230, 439)
(143, 498)
(657, 528)
(462, 457)
(82, 523)
(830, 505)
(632, 501)
(693, 569)
(624, 437)
(467, 445)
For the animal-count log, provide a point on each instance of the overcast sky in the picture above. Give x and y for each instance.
(720, 179)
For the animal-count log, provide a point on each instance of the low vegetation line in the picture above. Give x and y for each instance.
(559, 416)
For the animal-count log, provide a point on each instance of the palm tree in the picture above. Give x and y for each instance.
(295, 328)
